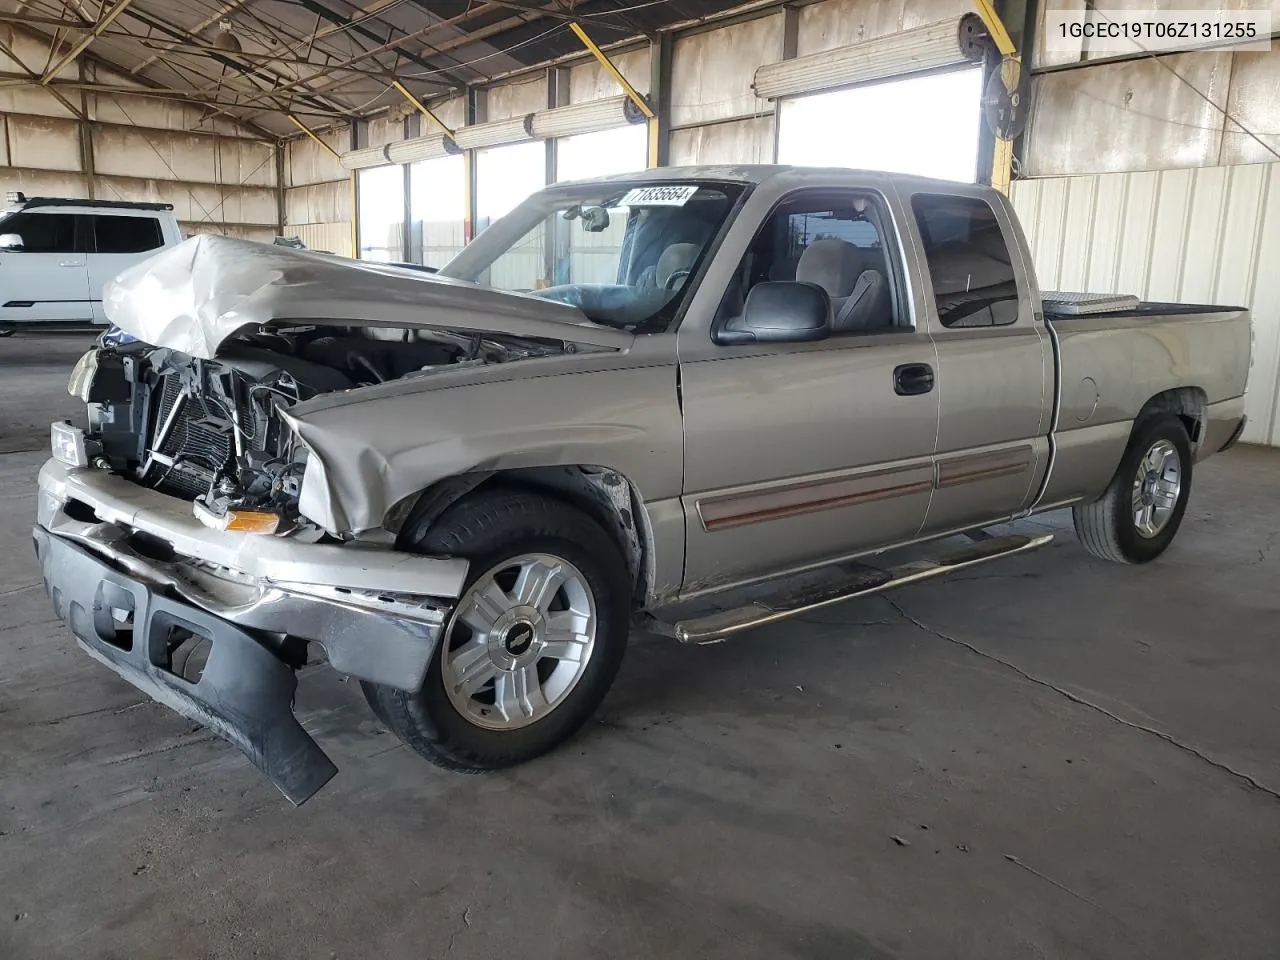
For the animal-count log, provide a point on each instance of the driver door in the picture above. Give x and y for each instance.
(798, 454)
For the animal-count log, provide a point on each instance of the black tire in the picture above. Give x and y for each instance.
(1106, 527)
(487, 528)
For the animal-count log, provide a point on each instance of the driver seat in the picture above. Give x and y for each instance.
(676, 258)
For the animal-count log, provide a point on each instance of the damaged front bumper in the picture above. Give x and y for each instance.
(131, 572)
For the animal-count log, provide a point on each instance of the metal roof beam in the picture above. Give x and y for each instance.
(357, 26)
(41, 21)
(104, 21)
(217, 15)
(469, 38)
(147, 83)
(29, 76)
(247, 69)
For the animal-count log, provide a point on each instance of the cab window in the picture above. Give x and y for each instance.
(835, 241)
(969, 262)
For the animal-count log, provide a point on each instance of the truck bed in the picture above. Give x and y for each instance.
(1110, 364)
(1060, 306)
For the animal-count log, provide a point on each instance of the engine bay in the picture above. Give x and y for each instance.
(210, 430)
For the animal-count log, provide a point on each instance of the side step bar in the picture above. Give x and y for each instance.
(870, 580)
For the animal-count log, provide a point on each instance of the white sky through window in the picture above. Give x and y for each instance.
(926, 126)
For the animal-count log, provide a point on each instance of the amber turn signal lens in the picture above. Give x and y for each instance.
(251, 521)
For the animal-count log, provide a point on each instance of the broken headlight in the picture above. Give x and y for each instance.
(82, 374)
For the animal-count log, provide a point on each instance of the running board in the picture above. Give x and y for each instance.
(719, 626)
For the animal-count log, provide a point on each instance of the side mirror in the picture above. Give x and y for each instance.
(781, 312)
(11, 241)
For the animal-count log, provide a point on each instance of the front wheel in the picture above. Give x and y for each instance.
(533, 644)
(1139, 515)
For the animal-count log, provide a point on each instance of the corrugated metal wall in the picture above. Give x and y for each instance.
(715, 114)
(138, 148)
(1201, 235)
(317, 194)
(590, 81)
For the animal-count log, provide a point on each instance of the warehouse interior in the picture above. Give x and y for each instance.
(1048, 756)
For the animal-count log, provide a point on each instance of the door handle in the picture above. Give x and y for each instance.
(71, 263)
(912, 379)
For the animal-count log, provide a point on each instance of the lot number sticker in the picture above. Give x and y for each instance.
(673, 196)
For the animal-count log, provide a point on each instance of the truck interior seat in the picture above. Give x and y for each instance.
(676, 258)
(859, 293)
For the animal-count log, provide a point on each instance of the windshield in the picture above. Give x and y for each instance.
(623, 253)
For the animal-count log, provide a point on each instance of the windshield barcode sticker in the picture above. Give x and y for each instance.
(673, 196)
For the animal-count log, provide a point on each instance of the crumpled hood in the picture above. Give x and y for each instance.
(193, 296)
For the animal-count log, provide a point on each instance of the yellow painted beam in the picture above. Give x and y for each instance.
(312, 134)
(1002, 165)
(421, 107)
(1010, 69)
(636, 97)
(355, 218)
(995, 27)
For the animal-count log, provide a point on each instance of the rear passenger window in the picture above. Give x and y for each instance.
(832, 240)
(126, 234)
(43, 232)
(969, 262)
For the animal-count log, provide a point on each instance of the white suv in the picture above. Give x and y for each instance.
(56, 254)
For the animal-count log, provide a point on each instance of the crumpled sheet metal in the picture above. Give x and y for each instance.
(193, 296)
(368, 455)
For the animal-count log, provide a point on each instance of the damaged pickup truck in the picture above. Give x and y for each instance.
(699, 399)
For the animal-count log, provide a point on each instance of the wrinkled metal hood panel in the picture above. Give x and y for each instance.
(193, 296)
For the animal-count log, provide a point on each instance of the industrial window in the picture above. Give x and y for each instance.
(969, 262)
(438, 206)
(620, 150)
(381, 213)
(505, 177)
(43, 232)
(126, 234)
(833, 240)
(927, 126)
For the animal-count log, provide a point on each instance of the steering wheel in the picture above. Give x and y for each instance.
(675, 279)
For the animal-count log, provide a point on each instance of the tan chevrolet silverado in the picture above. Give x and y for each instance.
(700, 399)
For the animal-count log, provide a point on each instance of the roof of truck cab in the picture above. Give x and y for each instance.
(755, 173)
(739, 172)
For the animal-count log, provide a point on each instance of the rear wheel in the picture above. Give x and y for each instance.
(533, 644)
(1139, 515)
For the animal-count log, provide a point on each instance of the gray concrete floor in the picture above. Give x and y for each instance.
(1076, 759)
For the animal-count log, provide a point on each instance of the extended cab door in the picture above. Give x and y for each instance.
(995, 363)
(43, 278)
(801, 453)
(120, 239)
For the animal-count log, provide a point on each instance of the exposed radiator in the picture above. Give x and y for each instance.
(198, 444)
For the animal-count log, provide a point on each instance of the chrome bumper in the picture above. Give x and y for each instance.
(132, 572)
(282, 560)
(377, 613)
